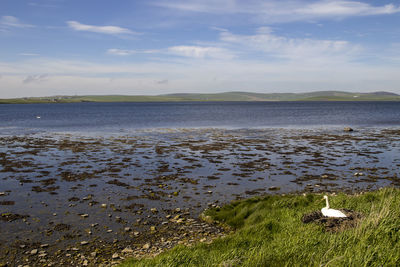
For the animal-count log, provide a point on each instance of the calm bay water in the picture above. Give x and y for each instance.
(112, 117)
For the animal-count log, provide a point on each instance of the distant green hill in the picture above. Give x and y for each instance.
(227, 96)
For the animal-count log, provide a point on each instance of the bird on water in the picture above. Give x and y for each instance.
(328, 212)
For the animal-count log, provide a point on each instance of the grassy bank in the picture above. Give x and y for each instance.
(227, 96)
(269, 232)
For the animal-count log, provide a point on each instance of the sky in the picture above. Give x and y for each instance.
(149, 47)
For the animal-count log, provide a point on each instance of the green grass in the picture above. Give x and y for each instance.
(227, 96)
(269, 232)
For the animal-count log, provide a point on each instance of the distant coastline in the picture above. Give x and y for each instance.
(227, 96)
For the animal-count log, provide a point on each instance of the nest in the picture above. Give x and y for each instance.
(333, 224)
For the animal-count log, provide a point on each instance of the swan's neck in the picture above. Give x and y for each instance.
(327, 203)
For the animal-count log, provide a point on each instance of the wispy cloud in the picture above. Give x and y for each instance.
(200, 52)
(274, 11)
(195, 52)
(263, 44)
(13, 22)
(125, 52)
(77, 26)
(266, 42)
(35, 78)
(165, 81)
(28, 54)
(43, 5)
(346, 8)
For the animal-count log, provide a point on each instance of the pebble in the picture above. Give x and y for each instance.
(2, 193)
(146, 246)
(34, 251)
(127, 229)
(84, 243)
(84, 215)
(44, 245)
(273, 188)
(153, 210)
(85, 263)
(136, 233)
(127, 250)
(88, 197)
(104, 205)
(115, 256)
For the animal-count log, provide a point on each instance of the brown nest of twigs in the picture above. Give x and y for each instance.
(333, 224)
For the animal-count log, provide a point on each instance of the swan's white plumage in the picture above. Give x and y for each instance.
(331, 212)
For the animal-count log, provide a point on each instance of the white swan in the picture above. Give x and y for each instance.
(331, 212)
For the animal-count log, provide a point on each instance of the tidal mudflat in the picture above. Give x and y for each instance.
(89, 200)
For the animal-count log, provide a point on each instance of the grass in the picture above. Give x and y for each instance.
(269, 232)
(227, 96)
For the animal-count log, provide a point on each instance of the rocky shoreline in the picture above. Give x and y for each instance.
(80, 200)
(178, 230)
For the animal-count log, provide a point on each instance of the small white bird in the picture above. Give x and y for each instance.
(331, 212)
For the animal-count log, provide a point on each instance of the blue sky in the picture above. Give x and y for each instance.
(68, 47)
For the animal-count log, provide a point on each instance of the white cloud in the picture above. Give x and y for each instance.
(125, 52)
(274, 11)
(28, 54)
(200, 52)
(206, 6)
(120, 52)
(98, 29)
(346, 8)
(304, 49)
(13, 22)
(165, 81)
(35, 78)
(218, 29)
(197, 52)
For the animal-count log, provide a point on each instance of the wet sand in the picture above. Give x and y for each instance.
(70, 199)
